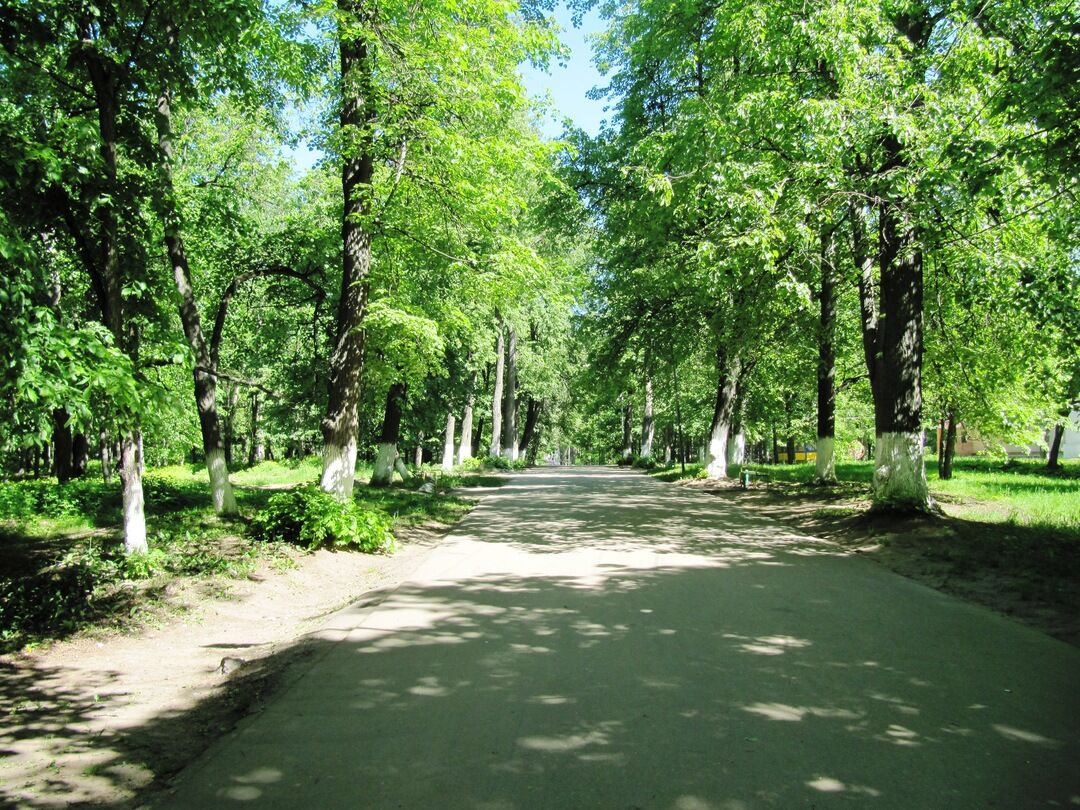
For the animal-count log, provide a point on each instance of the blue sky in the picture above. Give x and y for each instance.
(568, 83)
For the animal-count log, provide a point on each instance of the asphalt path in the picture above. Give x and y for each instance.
(592, 638)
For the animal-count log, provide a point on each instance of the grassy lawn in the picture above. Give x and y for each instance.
(62, 566)
(1019, 493)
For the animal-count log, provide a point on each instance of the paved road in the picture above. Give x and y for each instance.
(591, 638)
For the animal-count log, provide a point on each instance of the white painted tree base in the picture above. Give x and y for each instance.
(221, 491)
(899, 473)
(134, 506)
(383, 474)
(736, 449)
(716, 454)
(826, 458)
(339, 469)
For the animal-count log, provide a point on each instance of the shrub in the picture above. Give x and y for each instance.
(55, 601)
(645, 463)
(311, 518)
(497, 463)
(472, 464)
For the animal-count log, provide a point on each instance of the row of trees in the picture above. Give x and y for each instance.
(152, 230)
(876, 195)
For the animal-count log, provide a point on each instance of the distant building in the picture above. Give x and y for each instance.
(970, 444)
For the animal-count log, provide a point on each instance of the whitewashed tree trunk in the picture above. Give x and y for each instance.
(648, 423)
(448, 443)
(716, 452)
(402, 470)
(339, 468)
(736, 448)
(465, 445)
(134, 510)
(727, 382)
(221, 491)
(667, 454)
(383, 474)
(899, 473)
(418, 454)
(826, 458)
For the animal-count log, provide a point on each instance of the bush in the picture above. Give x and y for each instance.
(311, 518)
(628, 461)
(497, 463)
(53, 601)
(645, 463)
(472, 464)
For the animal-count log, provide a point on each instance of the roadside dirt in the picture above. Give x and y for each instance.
(1014, 570)
(99, 720)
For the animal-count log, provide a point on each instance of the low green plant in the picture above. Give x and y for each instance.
(472, 464)
(645, 463)
(497, 463)
(311, 518)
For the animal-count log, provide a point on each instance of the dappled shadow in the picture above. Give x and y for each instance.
(701, 661)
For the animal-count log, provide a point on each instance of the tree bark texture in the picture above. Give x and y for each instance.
(648, 422)
(892, 345)
(509, 411)
(529, 434)
(205, 382)
(628, 430)
(949, 448)
(448, 443)
(497, 393)
(357, 125)
(1053, 460)
(826, 369)
(383, 474)
(465, 446)
(62, 445)
(728, 370)
(107, 281)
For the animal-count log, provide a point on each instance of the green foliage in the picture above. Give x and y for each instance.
(309, 517)
(54, 600)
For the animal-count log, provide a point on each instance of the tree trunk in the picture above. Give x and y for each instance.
(80, 451)
(61, 445)
(134, 509)
(678, 418)
(357, 119)
(257, 451)
(217, 468)
(826, 370)
(108, 282)
(892, 345)
(728, 370)
(106, 458)
(648, 423)
(509, 410)
(950, 444)
(478, 436)
(1053, 462)
(465, 446)
(448, 443)
(789, 449)
(497, 394)
(383, 474)
(628, 430)
(533, 409)
(418, 453)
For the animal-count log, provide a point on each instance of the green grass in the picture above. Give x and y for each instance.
(1020, 492)
(62, 566)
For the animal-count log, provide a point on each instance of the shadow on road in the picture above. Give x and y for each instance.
(659, 654)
